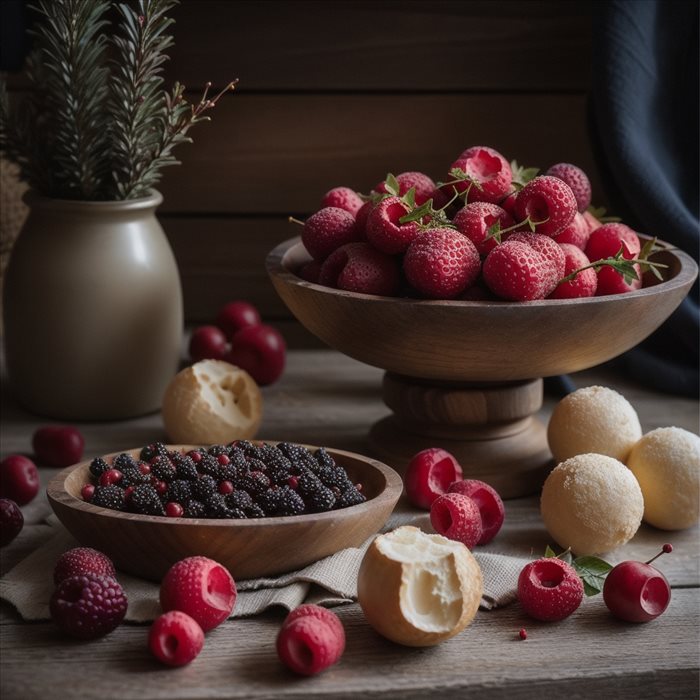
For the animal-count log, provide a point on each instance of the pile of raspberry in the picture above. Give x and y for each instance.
(240, 480)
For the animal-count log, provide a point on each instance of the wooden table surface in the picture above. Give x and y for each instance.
(327, 399)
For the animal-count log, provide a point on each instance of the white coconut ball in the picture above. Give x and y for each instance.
(591, 503)
(593, 419)
(666, 462)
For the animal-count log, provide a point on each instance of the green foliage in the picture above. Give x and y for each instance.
(98, 124)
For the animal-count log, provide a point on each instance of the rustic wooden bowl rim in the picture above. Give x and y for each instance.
(56, 490)
(688, 270)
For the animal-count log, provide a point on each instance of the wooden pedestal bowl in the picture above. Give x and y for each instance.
(147, 546)
(466, 375)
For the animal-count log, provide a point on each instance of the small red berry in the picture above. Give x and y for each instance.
(223, 460)
(384, 228)
(82, 560)
(549, 589)
(489, 169)
(308, 645)
(475, 220)
(196, 456)
(293, 482)
(225, 487)
(577, 180)
(423, 185)
(19, 479)
(343, 198)
(11, 521)
(58, 445)
(111, 476)
(429, 474)
(523, 633)
(144, 468)
(327, 230)
(488, 501)
(357, 267)
(667, 548)
(174, 510)
(548, 202)
(175, 638)
(87, 492)
(584, 284)
(236, 315)
(128, 491)
(457, 517)
(207, 343)
(160, 486)
(200, 587)
(606, 241)
(260, 351)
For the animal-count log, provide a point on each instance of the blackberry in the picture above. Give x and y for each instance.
(248, 448)
(290, 502)
(350, 497)
(239, 500)
(295, 453)
(216, 507)
(195, 509)
(204, 488)
(324, 459)
(278, 475)
(309, 483)
(180, 491)
(208, 465)
(216, 450)
(153, 450)
(255, 511)
(254, 483)
(98, 467)
(132, 476)
(269, 501)
(124, 461)
(238, 459)
(238, 514)
(163, 469)
(273, 457)
(185, 468)
(108, 497)
(146, 501)
(320, 500)
(226, 473)
(334, 476)
(257, 465)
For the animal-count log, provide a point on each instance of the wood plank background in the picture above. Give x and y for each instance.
(340, 93)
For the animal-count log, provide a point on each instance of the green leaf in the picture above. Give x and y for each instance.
(494, 231)
(522, 175)
(392, 185)
(598, 212)
(592, 572)
(549, 552)
(410, 198)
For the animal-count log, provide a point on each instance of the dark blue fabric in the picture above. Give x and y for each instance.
(645, 130)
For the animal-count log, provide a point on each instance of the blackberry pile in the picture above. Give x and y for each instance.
(240, 480)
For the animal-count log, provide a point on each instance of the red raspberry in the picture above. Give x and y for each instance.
(82, 560)
(88, 606)
(425, 187)
(429, 474)
(384, 229)
(489, 168)
(585, 282)
(357, 267)
(549, 589)
(11, 521)
(361, 220)
(320, 613)
(474, 222)
(547, 199)
(58, 445)
(343, 198)
(489, 503)
(509, 204)
(516, 271)
(200, 587)
(576, 233)
(545, 246)
(308, 645)
(607, 239)
(310, 271)
(19, 479)
(441, 263)
(577, 180)
(610, 281)
(175, 638)
(327, 230)
(457, 517)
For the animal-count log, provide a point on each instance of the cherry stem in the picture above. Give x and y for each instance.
(666, 549)
(292, 220)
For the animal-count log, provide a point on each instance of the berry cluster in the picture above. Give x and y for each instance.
(240, 480)
(241, 338)
(493, 230)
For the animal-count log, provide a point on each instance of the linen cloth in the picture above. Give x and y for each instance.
(328, 582)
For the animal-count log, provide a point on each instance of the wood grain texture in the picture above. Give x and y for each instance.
(327, 398)
(387, 46)
(147, 546)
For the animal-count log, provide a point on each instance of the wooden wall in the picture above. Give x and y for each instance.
(339, 92)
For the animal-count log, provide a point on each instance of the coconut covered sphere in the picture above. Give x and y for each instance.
(594, 419)
(591, 503)
(666, 462)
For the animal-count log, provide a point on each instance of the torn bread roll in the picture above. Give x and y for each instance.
(211, 402)
(418, 589)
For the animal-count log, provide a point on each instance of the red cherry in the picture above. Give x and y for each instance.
(58, 445)
(111, 476)
(87, 492)
(207, 343)
(635, 591)
(260, 351)
(19, 479)
(429, 474)
(489, 503)
(11, 521)
(225, 487)
(236, 315)
(174, 510)
(223, 460)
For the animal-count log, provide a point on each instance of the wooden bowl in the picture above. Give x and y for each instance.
(147, 546)
(478, 341)
(466, 375)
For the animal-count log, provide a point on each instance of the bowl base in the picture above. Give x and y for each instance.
(490, 428)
